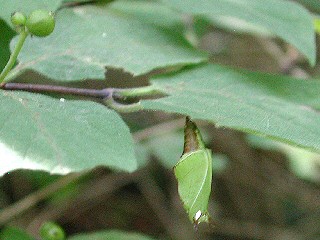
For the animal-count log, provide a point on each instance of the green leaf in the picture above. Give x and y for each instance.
(6, 35)
(194, 175)
(110, 235)
(13, 233)
(285, 19)
(82, 1)
(272, 106)
(88, 38)
(39, 132)
(26, 7)
(151, 12)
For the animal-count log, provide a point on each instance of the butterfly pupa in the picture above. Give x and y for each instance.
(194, 174)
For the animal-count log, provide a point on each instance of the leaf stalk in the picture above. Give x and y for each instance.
(109, 95)
(13, 57)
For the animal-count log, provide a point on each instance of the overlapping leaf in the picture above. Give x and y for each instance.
(285, 19)
(273, 106)
(152, 12)
(87, 39)
(39, 132)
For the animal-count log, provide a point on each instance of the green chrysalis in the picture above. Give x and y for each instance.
(194, 174)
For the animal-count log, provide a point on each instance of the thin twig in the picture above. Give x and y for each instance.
(13, 57)
(32, 199)
(106, 94)
(109, 95)
(98, 93)
(121, 93)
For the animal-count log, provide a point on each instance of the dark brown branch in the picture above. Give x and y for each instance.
(97, 93)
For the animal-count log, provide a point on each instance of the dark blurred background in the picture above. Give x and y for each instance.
(261, 189)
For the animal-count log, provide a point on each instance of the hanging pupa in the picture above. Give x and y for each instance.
(194, 174)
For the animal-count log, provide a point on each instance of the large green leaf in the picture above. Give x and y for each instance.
(25, 6)
(151, 12)
(111, 235)
(59, 136)
(89, 38)
(285, 19)
(272, 106)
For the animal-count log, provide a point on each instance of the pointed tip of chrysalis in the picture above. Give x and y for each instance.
(188, 119)
(192, 137)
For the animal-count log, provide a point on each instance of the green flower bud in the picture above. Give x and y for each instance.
(40, 23)
(18, 19)
(52, 231)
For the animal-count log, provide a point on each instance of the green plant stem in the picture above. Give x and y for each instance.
(13, 57)
(137, 92)
(109, 95)
(124, 108)
(98, 93)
